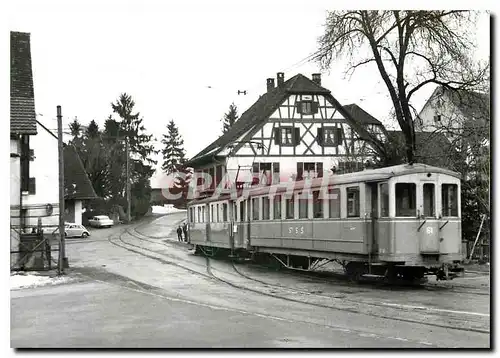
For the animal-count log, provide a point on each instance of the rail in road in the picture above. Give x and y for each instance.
(428, 316)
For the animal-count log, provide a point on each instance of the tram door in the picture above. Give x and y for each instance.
(232, 220)
(206, 217)
(372, 220)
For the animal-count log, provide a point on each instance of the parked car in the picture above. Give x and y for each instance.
(101, 221)
(75, 230)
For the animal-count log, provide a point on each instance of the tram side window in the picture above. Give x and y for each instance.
(255, 208)
(334, 203)
(265, 208)
(243, 215)
(191, 216)
(212, 213)
(224, 212)
(353, 202)
(317, 205)
(384, 200)
(449, 199)
(429, 200)
(199, 214)
(218, 218)
(406, 199)
(303, 205)
(289, 208)
(277, 207)
(203, 214)
(234, 211)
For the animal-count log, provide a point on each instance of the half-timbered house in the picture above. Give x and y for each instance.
(296, 129)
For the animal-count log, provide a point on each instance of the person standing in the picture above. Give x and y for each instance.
(184, 230)
(179, 233)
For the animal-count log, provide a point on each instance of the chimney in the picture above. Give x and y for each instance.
(316, 77)
(281, 79)
(270, 84)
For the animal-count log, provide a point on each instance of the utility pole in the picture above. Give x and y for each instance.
(63, 261)
(127, 150)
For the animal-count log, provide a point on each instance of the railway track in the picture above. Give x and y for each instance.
(285, 293)
(341, 279)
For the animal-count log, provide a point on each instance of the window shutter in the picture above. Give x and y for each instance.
(319, 136)
(277, 138)
(255, 167)
(299, 170)
(319, 169)
(314, 107)
(296, 139)
(276, 167)
(298, 106)
(338, 136)
(32, 186)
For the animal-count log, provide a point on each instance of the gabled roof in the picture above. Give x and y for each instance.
(260, 111)
(22, 98)
(473, 105)
(77, 184)
(361, 115)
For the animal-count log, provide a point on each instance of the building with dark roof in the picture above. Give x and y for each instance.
(34, 155)
(22, 128)
(295, 129)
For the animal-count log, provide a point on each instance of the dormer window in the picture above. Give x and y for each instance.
(307, 107)
(437, 118)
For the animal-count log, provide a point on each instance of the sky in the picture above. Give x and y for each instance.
(184, 61)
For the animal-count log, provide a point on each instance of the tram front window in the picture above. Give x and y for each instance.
(406, 199)
(449, 199)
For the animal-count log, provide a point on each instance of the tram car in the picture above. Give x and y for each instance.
(400, 222)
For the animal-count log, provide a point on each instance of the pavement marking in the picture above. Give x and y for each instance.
(220, 308)
(483, 273)
(472, 278)
(436, 309)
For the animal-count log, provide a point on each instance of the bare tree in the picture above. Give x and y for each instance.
(411, 49)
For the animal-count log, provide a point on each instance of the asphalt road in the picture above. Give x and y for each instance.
(123, 298)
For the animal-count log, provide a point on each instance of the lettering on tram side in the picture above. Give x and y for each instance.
(429, 230)
(296, 229)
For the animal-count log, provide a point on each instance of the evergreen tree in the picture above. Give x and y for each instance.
(173, 151)
(76, 129)
(129, 127)
(229, 118)
(93, 156)
(92, 130)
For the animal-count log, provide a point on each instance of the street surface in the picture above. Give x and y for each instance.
(136, 286)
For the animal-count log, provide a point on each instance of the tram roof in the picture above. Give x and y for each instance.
(369, 175)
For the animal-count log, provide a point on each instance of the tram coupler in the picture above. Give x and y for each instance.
(449, 272)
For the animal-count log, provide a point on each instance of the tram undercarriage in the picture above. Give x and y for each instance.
(356, 270)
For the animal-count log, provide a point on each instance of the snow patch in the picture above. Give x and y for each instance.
(166, 209)
(29, 280)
